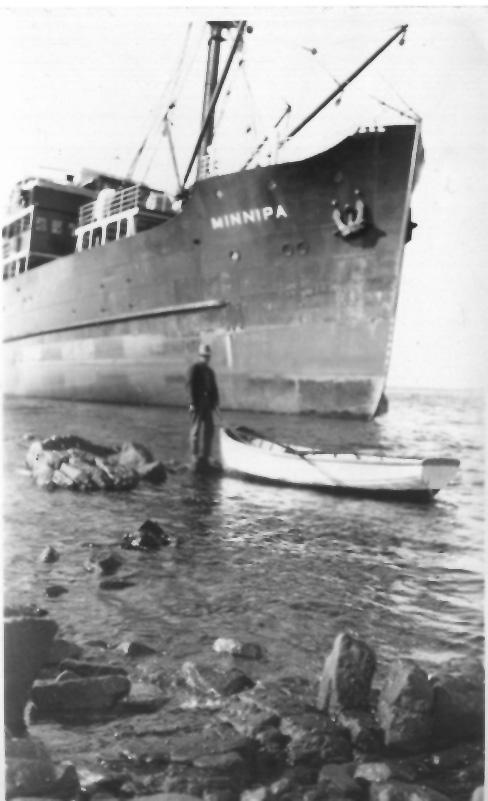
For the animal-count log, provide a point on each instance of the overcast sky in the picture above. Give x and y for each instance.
(82, 86)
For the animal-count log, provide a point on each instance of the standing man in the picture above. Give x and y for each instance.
(204, 399)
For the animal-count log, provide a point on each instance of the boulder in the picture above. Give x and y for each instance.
(459, 694)
(346, 678)
(72, 462)
(315, 739)
(405, 707)
(27, 641)
(148, 537)
(76, 698)
(364, 730)
(91, 669)
(139, 458)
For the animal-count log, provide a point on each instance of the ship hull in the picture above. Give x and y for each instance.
(299, 317)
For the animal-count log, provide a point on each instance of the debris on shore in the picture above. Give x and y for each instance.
(214, 733)
(71, 462)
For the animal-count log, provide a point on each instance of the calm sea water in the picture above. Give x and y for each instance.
(286, 568)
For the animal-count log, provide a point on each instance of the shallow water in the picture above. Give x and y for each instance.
(283, 567)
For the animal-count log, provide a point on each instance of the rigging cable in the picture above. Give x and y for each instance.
(178, 85)
(170, 87)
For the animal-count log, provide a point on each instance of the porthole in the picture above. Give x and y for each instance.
(287, 250)
(272, 185)
(219, 193)
(234, 255)
(196, 241)
(302, 248)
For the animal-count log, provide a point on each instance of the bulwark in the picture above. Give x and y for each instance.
(250, 216)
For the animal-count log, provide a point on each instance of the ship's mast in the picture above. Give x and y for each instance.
(212, 90)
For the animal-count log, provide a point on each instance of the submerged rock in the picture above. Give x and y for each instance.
(148, 537)
(49, 555)
(135, 649)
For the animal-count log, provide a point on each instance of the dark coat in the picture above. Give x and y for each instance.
(202, 387)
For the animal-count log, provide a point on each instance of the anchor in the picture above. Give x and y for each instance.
(352, 219)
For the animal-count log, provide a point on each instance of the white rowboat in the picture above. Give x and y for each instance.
(249, 454)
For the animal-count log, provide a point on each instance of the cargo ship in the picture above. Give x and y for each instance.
(289, 271)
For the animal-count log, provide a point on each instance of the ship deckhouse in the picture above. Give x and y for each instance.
(117, 214)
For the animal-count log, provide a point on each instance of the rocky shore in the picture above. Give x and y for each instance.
(212, 732)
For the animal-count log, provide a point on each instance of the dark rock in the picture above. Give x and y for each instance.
(55, 590)
(315, 739)
(364, 731)
(338, 781)
(76, 698)
(108, 564)
(116, 584)
(27, 641)
(234, 681)
(346, 678)
(64, 443)
(62, 649)
(134, 648)
(458, 709)
(405, 707)
(92, 669)
(29, 610)
(97, 644)
(49, 555)
(272, 753)
(29, 768)
(250, 650)
(148, 537)
(30, 771)
(68, 784)
(399, 791)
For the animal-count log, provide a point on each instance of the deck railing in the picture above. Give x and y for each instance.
(108, 204)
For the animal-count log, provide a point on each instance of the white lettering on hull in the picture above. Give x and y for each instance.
(248, 216)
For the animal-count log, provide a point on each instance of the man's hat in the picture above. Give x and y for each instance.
(204, 350)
